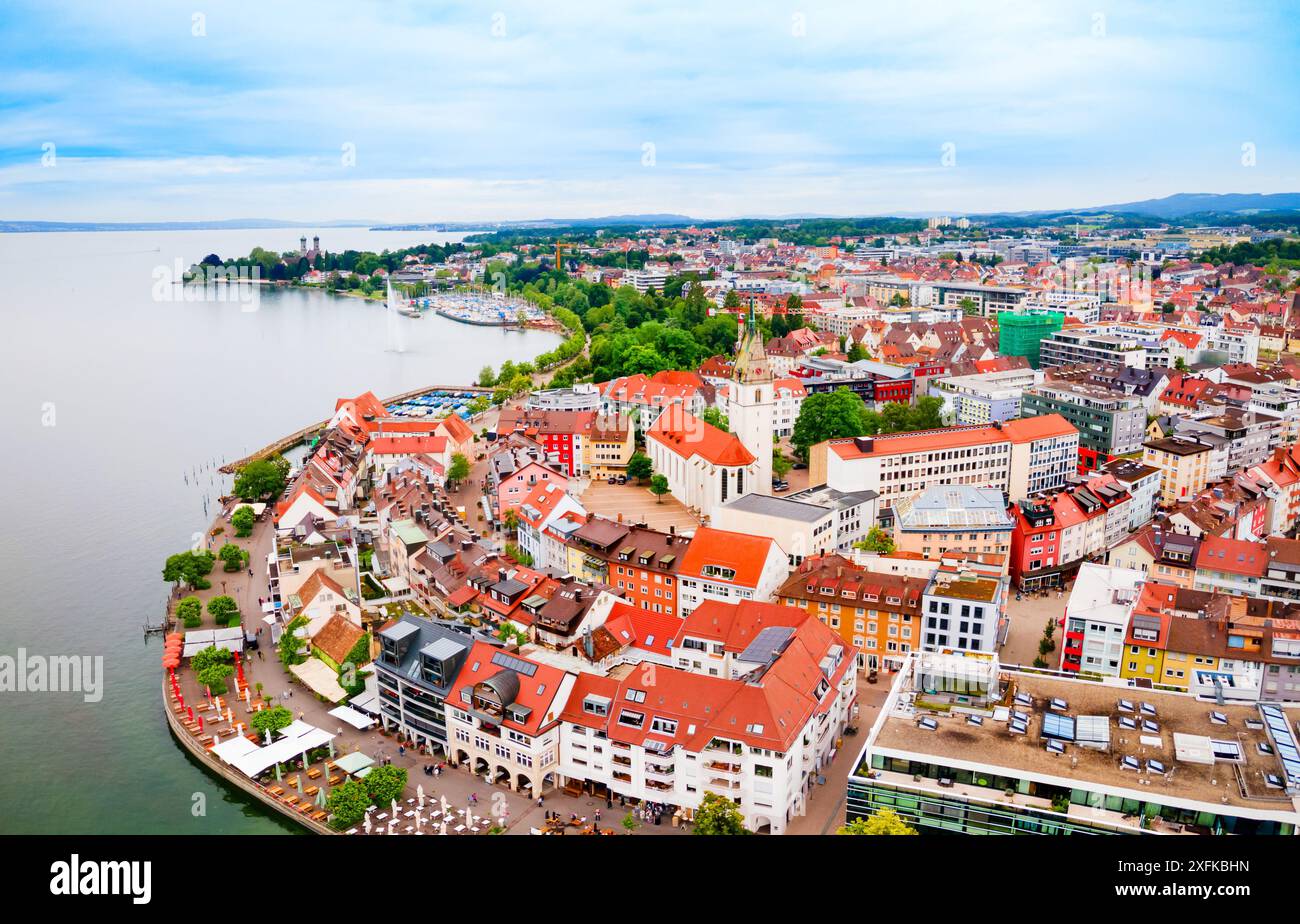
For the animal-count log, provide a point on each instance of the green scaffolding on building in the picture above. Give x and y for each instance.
(1022, 334)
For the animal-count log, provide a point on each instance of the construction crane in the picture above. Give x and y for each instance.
(560, 247)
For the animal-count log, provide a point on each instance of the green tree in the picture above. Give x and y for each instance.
(190, 568)
(487, 377)
(827, 415)
(347, 804)
(718, 419)
(510, 520)
(233, 557)
(886, 821)
(718, 815)
(659, 487)
(780, 464)
(213, 677)
(259, 479)
(223, 610)
(877, 540)
(273, 719)
(639, 466)
(386, 783)
(242, 519)
(190, 612)
(459, 469)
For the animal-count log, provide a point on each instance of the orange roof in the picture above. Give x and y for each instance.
(743, 554)
(1234, 556)
(689, 436)
(1028, 429)
(536, 690)
(457, 430)
(407, 445)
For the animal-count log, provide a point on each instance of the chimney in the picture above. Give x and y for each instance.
(588, 645)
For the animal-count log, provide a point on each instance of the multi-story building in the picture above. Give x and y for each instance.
(955, 518)
(503, 718)
(1184, 465)
(855, 512)
(752, 711)
(1110, 424)
(1142, 482)
(643, 564)
(417, 665)
(877, 613)
(984, 397)
(727, 566)
(1020, 457)
(1248, 438)
(802, 528)
(1096, 619)
(1233, 566)
(964, 608)
(1065, 759)
(1096, 345)
(986, 300)
(563, 435)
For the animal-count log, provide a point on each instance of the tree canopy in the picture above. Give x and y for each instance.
(718, 815)
(261, 478)
(886, 821)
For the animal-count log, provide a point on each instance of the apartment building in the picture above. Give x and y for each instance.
(985, 397)
(964, 608)
(879, 614)
(641, 563)
(1142, 482)
(1019, 457)
(729, 567)
(418, 663)
(503, 718)
(752, 712)
(1184, 465)
(1097, 345)
(1110, 424)
(1096, 619)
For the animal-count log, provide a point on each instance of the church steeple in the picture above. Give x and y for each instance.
(751, 366)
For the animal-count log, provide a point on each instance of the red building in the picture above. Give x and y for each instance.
(561, 434)
(1036, 546)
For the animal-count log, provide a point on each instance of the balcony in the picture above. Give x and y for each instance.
(718, 782)
(722, 767)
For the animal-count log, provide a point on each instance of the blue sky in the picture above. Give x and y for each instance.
(502, 110)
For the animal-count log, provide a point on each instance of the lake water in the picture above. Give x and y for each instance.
(111, 397)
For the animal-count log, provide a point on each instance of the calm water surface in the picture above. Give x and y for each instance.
(140, 392)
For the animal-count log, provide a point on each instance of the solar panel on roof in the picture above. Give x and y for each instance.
(1056, 747)
(1129, 763)
(1019, 728)
(1150, 726)
(1272, 779)
(510, 662)
(1155, 766)
(928, 724)
(1126, 722)
(1059, 704)
(1125, 705)
(1148, 709)
(1218, 718)
(1024, 699)
(974, 720)
(1058, 726)
(1019, 716)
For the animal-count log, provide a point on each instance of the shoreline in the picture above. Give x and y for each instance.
(216, 768)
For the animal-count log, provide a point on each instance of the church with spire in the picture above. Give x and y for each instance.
(753, 400)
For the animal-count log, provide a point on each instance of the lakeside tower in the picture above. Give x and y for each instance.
(753, 400)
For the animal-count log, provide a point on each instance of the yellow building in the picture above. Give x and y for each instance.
(611, 444)
(1184, 467)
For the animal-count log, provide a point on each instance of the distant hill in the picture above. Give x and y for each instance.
(224, 224)
(1180, 204)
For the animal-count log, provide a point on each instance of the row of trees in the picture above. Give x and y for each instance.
(348, 802)
(842, 413)
(223, 610)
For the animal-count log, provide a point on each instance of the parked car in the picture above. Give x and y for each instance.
(622, 479)
(612, 480)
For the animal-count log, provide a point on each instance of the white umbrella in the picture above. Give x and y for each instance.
(442, 828)
(394, 807)
(391, 823)
(446, 806)
(366, 822)
(419, 792)
(268, 736)
(419, 821)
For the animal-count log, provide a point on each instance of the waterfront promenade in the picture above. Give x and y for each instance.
(494, 804)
